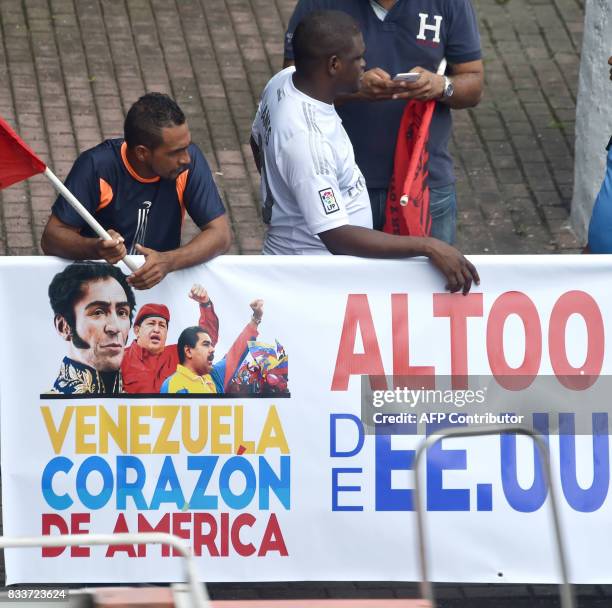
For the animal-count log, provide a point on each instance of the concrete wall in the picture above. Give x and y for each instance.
(593, 112)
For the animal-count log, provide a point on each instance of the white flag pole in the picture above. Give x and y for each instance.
(91, 221)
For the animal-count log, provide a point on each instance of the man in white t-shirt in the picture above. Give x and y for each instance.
(314, 196)
(310, 181)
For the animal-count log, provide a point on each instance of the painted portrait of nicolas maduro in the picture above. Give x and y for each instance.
(93, 305)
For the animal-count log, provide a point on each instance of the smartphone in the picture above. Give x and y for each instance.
(407, 76)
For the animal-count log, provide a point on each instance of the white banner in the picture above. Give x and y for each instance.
(271, 477)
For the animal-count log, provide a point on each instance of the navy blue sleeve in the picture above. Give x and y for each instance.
(302, 8)
(463, 40)
(600, 227)
(201, 197)
(84, 183)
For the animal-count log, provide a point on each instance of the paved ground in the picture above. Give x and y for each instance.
(70, 68)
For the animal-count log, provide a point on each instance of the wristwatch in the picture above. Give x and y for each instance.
(449, 88)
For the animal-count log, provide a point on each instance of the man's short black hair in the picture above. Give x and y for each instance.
(320, 35)
(188, 337)
(147, 117)
(67, 287)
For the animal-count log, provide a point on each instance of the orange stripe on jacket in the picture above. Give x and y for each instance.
(106, 195)
(181, 184)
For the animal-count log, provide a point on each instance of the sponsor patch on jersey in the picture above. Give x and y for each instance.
(329, 201)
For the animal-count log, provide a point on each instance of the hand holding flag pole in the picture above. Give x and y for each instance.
(18, 162)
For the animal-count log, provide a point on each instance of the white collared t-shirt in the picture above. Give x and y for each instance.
(310, 182)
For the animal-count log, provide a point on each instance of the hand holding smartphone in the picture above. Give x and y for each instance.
(407, 76)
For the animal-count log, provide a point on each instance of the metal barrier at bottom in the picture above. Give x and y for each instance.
(197, 591)
(567, 600)
(193, 594)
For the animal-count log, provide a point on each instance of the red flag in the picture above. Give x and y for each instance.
(17, 161)
(407, 209)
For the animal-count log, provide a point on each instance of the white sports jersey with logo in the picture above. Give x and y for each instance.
(310, 182)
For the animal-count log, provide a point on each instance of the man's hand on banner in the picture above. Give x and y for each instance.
(199, 294)
(111, 251)
(257, 308)
(368, 243)
(458, 270)
(157, 265)
(428, 86)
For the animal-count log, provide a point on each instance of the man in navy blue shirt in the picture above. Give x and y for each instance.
(139, 188)
(407, 36)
